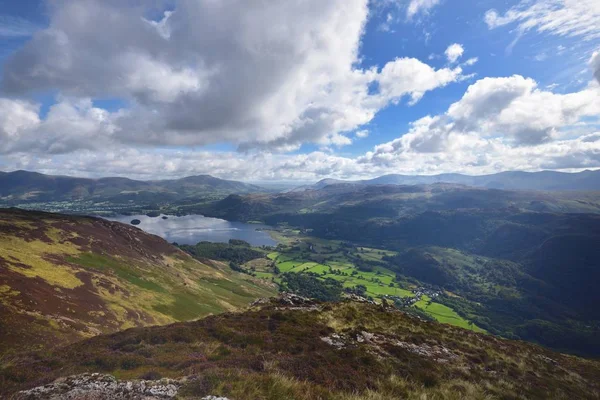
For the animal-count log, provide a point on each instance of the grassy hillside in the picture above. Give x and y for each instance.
(64, 278)
(307, 351)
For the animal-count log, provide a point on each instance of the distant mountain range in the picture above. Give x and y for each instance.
(33, 186)
(545, 180)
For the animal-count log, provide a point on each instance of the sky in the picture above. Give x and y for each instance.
(298, 90)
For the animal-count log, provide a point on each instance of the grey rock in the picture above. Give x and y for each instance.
(102, 387)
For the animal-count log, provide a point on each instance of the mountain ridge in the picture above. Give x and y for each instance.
(587, 180)
(28, 186)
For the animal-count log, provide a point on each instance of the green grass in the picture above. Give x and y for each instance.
(297, 256)
(186, 306)
(445, 314)
(105, 263)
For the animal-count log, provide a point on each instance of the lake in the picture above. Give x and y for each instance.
(191, 229)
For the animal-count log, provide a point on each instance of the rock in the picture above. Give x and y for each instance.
(288, 301)
(214, 398)
(376, 344)
(438, 353)
(102, 387)
(261, 302)
(357, 298)
(335, 340)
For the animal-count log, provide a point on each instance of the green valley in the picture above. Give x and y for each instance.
(359, 270)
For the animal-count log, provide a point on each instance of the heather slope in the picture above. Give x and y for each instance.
(64, 278)
(297, 349)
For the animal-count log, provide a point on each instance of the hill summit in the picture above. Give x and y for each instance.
(298, 349)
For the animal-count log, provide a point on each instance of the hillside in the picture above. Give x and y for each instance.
(22, 186)
(64, 278)
(522, 264)
(374, 201)
(300, 350)
(512, 180)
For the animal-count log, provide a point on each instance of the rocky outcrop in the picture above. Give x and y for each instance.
(288, 301)
(377, 344)
(102, 387)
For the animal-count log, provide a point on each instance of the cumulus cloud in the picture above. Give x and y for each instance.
(416, 7)
(408, 76)
(575, 18)
(515, 108)
(498, 124)
(268, 77)
(22, 130)
(454, 52)
(267, 74)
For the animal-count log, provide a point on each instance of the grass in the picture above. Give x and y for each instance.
(186, 306)
(330, 259)
(109, 264)
(71, 277)
(276, 353)
(30, 258)
(445, 314)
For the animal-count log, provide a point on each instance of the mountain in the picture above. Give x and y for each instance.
(545, 180)
(64, 278)
(297, 349)
(370, 201)
(23, 186)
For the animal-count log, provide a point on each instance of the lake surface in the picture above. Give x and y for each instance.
(191, 229)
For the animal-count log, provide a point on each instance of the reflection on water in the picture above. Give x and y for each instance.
(191, 229)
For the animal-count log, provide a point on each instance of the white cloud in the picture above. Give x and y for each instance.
(512, 107)
(575, 18)
(408, 76)
(454, 52)
(362, 134)
(22, 130)
(268, 74)
(420, 6)
(15, 117)
(499, 125)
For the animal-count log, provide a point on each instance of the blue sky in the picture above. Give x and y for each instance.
(278, 92)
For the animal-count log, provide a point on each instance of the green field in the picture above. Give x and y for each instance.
(445, 314)
(336, 260)
(329, 259)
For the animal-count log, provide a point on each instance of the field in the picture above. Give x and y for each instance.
(445, 314)
(352, 266)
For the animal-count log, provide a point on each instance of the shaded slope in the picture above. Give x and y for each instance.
(63, 278)
(347, 351)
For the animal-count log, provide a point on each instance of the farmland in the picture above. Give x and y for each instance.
(361, 270)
